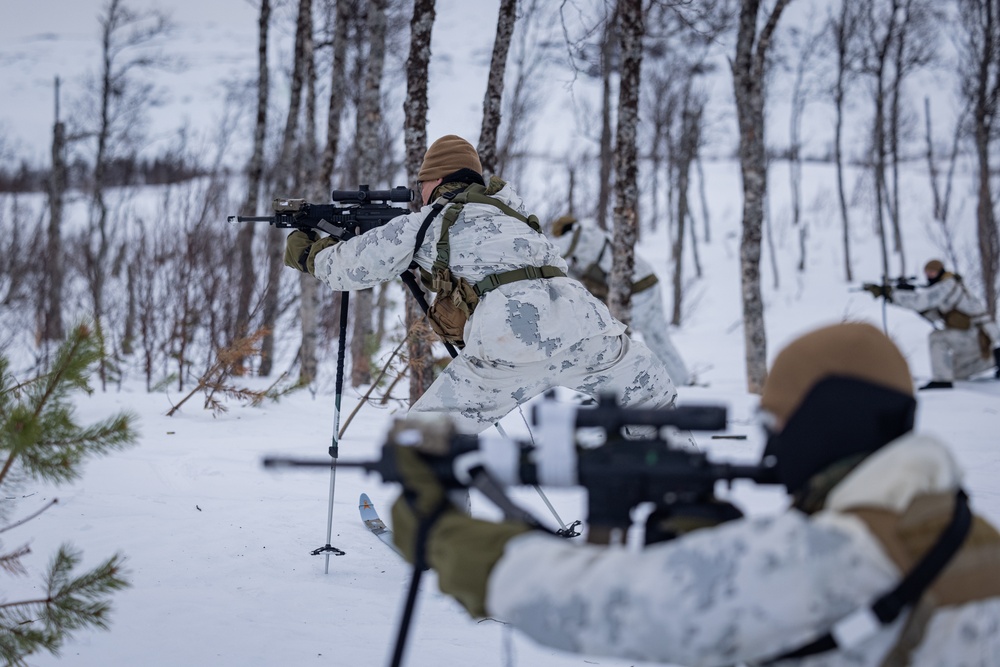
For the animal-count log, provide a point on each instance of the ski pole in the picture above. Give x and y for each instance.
(327, 549)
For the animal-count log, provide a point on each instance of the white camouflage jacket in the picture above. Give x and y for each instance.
(747, 590)
(943, 296)
(524, 321)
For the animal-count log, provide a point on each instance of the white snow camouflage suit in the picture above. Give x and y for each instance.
(591, 244)
(756, 588)
(524, 337)
(955, 353)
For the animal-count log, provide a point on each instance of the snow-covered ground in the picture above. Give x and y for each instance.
(219, 549)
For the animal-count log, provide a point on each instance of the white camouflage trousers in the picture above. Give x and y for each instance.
(955, 355)
(649, 320)
(475, 393)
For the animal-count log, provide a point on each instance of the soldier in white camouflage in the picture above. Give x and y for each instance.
(879, 561)
(587, 251)
(503, 297)
(965, 340)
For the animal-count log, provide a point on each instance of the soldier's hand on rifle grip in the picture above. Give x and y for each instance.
(301, 249)
(878, 290)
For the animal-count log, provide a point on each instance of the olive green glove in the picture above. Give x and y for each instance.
(462, 550)
(301, 249)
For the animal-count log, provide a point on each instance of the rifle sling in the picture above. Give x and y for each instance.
(476, 195)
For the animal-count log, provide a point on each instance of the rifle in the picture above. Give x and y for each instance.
(887, 285)
(618, 474)
(367, 210)
(884, 290)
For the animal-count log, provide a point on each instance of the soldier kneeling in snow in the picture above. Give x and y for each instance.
(878, 561)
(502, 296)
(965, 340)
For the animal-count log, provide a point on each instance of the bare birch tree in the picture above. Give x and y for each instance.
(942, 201)
(606, 157)
(980, 58)
(52, 329)
(806, 50)
(369, 121)
(626, 211)
(843, 28)
(749, 73)
(128, 47)
(419, 345)
(286, 174)
(493, 100)
(255, 173)
(308, 182)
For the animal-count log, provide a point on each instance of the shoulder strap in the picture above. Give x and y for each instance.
(428, 219)
(573, 243)
(866, 621)
(476, 194)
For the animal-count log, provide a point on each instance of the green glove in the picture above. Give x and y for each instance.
(461, 549)
(301, 249)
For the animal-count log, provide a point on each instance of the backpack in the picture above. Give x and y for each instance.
(456, 298)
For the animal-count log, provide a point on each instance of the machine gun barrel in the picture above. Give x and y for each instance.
(366, 211)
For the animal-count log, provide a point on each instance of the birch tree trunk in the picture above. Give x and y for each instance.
(749, 67)
(308, 182)
(606, 158)
(369, 119)
(688, 145)
(286, 177)
(981, 87)
(337, 83)
(420, 342)
(255, 173)
(843, 31)
(52, 330)
(492, 102)
(626, 211)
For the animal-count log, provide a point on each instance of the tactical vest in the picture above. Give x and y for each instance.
(595, 279)
(456, 298)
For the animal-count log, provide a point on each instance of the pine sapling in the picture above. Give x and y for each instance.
(40, 441)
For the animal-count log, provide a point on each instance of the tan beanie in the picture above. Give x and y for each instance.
(853, 350)
(934, 266)
(446, 156)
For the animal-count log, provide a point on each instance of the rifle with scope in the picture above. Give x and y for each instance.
(618, 474)
(364, 210)
(885, 288)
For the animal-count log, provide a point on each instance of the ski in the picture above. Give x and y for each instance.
(373, 523)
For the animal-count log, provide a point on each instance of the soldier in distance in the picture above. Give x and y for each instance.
(965, 340)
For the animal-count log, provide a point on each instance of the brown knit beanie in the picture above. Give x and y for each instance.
(852, 350)
(934, 266)
(446, 156)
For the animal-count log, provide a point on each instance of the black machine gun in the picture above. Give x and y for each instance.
(619, 474)
(364, 210)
